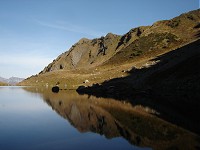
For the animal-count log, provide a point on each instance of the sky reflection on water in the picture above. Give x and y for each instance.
(27, 122)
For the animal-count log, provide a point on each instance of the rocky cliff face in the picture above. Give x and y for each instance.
(86, 53)
(162, 35)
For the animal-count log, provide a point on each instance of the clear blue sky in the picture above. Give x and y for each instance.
(34, 32)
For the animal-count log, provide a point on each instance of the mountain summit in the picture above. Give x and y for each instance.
(161, 35)
(154, 67)
(11, 80)
(107, 57)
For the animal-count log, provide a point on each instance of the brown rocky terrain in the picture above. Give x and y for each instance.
(155, 66)
(106, 57)
(170, 86)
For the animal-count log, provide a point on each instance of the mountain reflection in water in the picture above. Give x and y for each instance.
(113, 118)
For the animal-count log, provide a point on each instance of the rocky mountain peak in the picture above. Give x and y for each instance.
(11, 80)
(88, 53)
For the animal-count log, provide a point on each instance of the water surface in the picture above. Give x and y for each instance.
(35, 118)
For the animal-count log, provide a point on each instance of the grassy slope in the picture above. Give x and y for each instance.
(3, 84)
(135, 49)
(170, 86)
(111, 69)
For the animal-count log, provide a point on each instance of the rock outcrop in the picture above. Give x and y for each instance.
(162, 35)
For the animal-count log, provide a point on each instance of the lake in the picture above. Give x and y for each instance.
(34, 118)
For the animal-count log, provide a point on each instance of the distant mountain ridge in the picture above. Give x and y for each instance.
(153, 66)
(161, 35)
(11, 80)
(113, 56)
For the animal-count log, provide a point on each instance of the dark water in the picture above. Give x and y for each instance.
(34, 119)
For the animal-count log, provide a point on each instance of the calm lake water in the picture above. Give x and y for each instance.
(37, 119)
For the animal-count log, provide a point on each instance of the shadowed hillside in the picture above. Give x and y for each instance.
(162, 35)
(104, 58)
(169, 83)
(155, 66)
